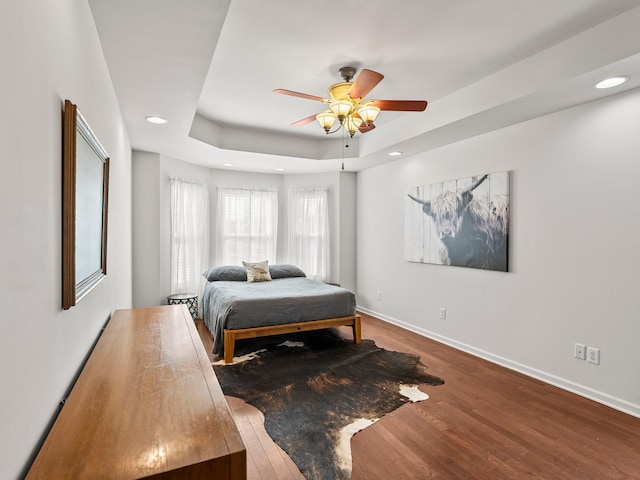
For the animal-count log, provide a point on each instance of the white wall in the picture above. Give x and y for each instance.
(147, 280)
(574, 257)
(151, 213)
(50, 52)
(347, 230)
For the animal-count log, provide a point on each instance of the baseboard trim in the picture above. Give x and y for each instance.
(578, 389)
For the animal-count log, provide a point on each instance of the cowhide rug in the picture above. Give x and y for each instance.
(317, 390)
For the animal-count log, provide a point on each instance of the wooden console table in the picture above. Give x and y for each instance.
(147, 404)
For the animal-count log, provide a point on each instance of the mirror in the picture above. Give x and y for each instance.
(85, 189)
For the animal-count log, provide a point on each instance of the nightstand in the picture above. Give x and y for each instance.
(188, 299)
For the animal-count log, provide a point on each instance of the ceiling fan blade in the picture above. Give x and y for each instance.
(304, 121)
(401, 105)
(300, 95)
(364, 83)
(364, 128)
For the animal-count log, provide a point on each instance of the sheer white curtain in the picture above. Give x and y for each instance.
(309, 231)
(246, 226)
(189, 236)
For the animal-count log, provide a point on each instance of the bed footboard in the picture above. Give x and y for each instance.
(230, 336)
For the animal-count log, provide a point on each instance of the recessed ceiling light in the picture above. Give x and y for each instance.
(395, 154)
(156, 120)
(227, 164)
(612, 82)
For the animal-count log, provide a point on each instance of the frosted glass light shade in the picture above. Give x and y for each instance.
(326, 120)
(353, 123)
(341, 108)
(368, 113)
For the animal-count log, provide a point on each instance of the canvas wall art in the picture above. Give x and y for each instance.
(463, 222)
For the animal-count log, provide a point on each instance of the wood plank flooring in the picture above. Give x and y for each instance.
(485, 422)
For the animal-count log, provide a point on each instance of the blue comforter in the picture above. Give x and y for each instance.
(235, 305)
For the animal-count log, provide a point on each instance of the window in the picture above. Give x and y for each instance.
(189, 235)
(247, 225)
(309, 231)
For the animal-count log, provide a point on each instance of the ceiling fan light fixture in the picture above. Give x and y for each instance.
(353, 123)
(368, 113)
(341, 109)
(326, 120)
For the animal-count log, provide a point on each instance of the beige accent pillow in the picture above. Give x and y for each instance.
(257, 271)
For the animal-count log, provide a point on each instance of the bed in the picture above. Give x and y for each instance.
(235, 306)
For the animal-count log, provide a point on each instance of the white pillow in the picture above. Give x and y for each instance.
(257, 271)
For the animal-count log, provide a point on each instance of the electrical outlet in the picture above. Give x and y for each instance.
(580, 351)
(593, 355)
(443, 313)
(379, 295)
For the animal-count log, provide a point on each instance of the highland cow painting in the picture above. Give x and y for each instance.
(462, 222)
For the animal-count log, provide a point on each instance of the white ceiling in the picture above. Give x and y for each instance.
(210, 68)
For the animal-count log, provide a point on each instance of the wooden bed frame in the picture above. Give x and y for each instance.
(230, 336)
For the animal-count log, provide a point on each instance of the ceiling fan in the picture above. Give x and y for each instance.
(348, 106)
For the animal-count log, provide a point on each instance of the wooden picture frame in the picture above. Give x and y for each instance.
(85, 194)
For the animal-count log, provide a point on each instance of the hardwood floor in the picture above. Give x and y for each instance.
(485, 422)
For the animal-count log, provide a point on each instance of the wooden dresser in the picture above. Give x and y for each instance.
(147, 404)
